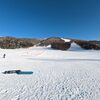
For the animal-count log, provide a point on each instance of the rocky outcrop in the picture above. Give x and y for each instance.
(61, 46)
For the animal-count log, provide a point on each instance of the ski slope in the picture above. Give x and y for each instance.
(75, 47)
(57, 75)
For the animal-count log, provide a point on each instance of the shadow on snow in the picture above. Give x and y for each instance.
(63, 60)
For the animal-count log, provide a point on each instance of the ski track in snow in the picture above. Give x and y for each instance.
(57, 75)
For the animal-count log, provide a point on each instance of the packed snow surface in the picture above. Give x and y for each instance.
(75, 47)
(66, 40)
(57, 75)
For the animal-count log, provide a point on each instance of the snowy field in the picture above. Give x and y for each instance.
(57, 75)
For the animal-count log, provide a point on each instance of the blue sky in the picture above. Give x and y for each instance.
(78, 19)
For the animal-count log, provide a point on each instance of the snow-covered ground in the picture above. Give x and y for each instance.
(57, 75)
(66, 40)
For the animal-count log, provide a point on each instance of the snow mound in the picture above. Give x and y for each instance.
(49, 46)
(66, 40)
(75, 47)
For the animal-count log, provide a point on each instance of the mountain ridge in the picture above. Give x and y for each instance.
(55, 42)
